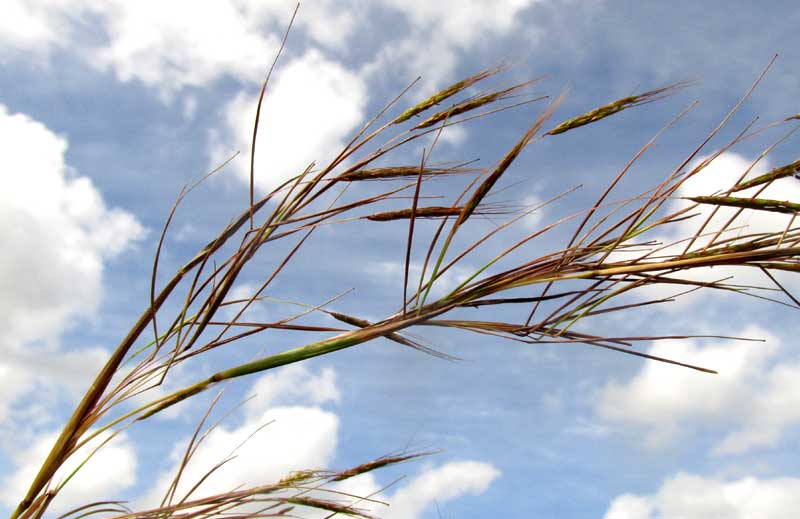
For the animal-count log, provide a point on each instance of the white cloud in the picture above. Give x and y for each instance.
(53, 374)
(180, 43)
(174, 44)
(442, 484)
(296, 437)
(720, 175)
(35, 26)
(301, 435)
(462, 24)
(168, 45)
(57, 232)
(432, 485)
(327, 22)
(754, 396)
(716, 178)
(687, 496)
(438, 32)
(104, 476)
(311, 108)
(293, 384)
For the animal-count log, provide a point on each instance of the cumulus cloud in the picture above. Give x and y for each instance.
(717, 178)
(36, 26)
(294, 384)
(327, 22)
(165, 45)
(185, 43)
(311, 108)
(441, 484)
(170, 45)
(688, 496)
(300, 434)
(754, 396)
(722, 174)
(295, 437)
(432, 485)
(462, 24)
(314, 103)
(162, 45)
(110, 471)
(57, 232)
(439, 32)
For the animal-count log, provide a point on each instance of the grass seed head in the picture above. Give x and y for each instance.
(448, 92)
(395, 172)
(613, 108)
(471, 104)
(789, 170)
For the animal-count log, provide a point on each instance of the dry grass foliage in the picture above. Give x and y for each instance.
(585, 278)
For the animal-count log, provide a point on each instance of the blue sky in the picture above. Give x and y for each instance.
(107, 111)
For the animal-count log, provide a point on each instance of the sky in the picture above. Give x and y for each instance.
(108, 109)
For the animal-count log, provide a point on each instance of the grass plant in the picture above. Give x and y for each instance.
(609, 255)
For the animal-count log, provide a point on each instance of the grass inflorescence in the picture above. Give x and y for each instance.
(578, 282)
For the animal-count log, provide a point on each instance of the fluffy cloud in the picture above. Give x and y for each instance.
(57, 229)
(111, 470)
(720, 175)
(296, 437)
(754, 394)
(167, 45)
(431, 485)
(462, 24)
(57, 232)
(441, 484)
(716, 178)
(314, 103)
(327, 22)
(293, 384)
(160, 44)
(301, 435)
(438, 32)
(311, 108)
(185, 43)
(35, 26)
(688, 496)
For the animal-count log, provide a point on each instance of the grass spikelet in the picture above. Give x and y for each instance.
(423, 212)
(395, 172)
(329, 506)
(471, 104)
(374, 465)
(759, 204)
(788, 170)
(486, 186)
(298, 477)
(448, 92)
(617, 106)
